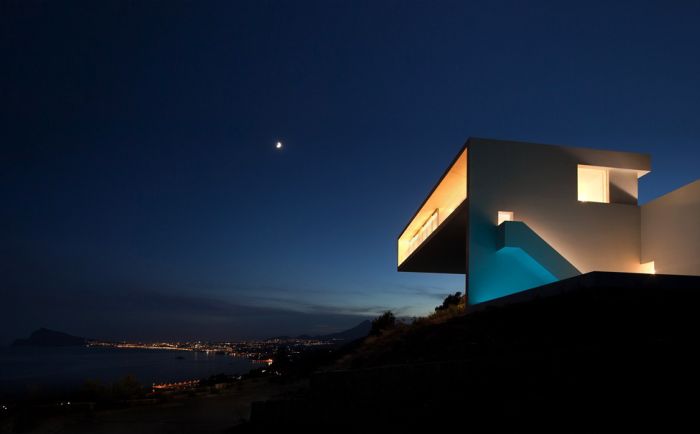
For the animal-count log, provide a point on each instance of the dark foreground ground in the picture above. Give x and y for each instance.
(606, 352)
(611, 352)
(203, 413)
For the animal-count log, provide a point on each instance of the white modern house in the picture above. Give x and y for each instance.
(512, 216)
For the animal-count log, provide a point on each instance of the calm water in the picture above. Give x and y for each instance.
(25, 370)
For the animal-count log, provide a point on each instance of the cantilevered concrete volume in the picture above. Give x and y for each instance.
(513, 216)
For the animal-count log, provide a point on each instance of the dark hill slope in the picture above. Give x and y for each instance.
(620, 355)
(49, 338)
(621, 316)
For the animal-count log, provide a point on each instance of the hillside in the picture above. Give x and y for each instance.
(619, 355)
(49, 338)
(359, 331)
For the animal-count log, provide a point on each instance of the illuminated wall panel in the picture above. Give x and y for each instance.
(580, 203)
(449, 193)
(564, 196)
(671, 231)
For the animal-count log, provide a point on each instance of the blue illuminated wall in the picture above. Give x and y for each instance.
(538, 183)
(508, 271)
(496, 272)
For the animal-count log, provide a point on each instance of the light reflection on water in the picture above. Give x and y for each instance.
(24, 369)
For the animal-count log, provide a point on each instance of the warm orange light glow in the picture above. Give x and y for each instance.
(648, 267)
(424, 232)
(593, 184)
(447, 196)
(176, 385)
(505, 216)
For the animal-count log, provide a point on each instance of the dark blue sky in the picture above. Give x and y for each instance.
(142, 196)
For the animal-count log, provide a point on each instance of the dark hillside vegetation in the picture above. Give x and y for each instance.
(601, 358)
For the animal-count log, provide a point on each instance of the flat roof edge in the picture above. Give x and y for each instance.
(640, 161)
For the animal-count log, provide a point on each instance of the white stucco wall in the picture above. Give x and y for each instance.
(539, 184)
(671, 231)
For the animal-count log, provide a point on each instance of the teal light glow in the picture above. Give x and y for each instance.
(507, 271)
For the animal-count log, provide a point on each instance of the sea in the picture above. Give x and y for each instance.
(26, 371)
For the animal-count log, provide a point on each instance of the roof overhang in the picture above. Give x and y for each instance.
(446, 249)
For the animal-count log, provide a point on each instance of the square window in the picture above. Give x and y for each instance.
(593, 184)
(505, 216)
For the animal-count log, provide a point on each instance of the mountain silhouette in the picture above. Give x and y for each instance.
(49, 338)
(359, 331)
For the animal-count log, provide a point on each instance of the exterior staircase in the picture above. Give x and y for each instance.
(520, 235)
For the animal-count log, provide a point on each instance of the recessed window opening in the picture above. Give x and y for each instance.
(505, 216)
(593, 184)
(425, 230)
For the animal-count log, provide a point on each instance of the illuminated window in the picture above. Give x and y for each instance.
(425, 230)
(505, 216)
(447, 196)
(593, 184)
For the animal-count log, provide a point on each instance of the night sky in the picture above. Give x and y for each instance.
(142, 195)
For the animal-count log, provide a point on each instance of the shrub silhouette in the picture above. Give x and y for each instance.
(94, 391)
(281, 359)
(123, 389)
(386, 321)
(127, 388)
(450, 300)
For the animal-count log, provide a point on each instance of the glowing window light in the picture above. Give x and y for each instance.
(593, 184)
(424, 232)
(648, 267)
(446, 197)
(505, 216)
